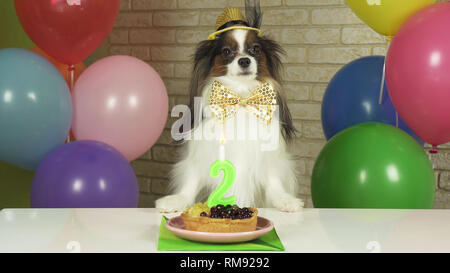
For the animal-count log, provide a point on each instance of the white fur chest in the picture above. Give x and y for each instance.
(249, 144)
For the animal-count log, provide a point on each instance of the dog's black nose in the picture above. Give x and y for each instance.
(244, 62)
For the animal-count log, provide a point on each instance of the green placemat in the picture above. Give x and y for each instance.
(167, 241)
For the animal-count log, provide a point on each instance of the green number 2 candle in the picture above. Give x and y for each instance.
(229, 174)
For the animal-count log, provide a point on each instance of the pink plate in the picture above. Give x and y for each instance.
(176, 225)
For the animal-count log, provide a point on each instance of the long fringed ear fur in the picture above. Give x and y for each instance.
(288, 130)
(253, 13)
(275, 67)
(275, 51)
(203, 59)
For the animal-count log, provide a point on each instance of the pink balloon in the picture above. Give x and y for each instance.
(121, 101)
(418, 73)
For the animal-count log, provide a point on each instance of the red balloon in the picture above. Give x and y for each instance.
(417, 73)
(67, 30)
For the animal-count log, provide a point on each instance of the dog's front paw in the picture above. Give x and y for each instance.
(288, 203)
(172, 203)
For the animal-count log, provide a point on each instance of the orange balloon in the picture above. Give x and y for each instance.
(63, 68)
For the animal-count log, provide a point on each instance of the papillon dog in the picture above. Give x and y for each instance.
(238, 58)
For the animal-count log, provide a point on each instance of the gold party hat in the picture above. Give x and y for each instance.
(231, 15)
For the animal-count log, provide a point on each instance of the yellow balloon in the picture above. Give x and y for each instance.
(386, 16)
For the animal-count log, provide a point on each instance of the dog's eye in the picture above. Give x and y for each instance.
(226, 52)
(255, 49)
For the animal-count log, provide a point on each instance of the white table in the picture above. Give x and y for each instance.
(311, 230)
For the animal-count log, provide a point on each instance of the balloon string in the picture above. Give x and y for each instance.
(383, 77)
(72, 75)
(434, 150)
(71, 70)
(396, 118)
(382, 83)
(430, 156)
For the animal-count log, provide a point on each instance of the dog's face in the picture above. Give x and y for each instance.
(239, 54)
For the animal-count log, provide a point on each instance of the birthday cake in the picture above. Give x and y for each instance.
(200, 217)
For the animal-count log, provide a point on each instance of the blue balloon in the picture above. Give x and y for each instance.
(35, 108)
(352, 97)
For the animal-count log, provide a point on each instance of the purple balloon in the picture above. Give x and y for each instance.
(84, 174)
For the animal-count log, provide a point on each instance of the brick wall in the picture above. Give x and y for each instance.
(320, 36)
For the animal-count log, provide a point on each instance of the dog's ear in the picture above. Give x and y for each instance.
(288, 130)
(273, 52)
(253, 13)
(203, 59)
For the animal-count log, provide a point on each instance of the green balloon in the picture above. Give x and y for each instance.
(11, 31)
(15, 186)
(373, 165)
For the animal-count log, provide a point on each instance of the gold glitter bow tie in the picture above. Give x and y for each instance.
(224, 103)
